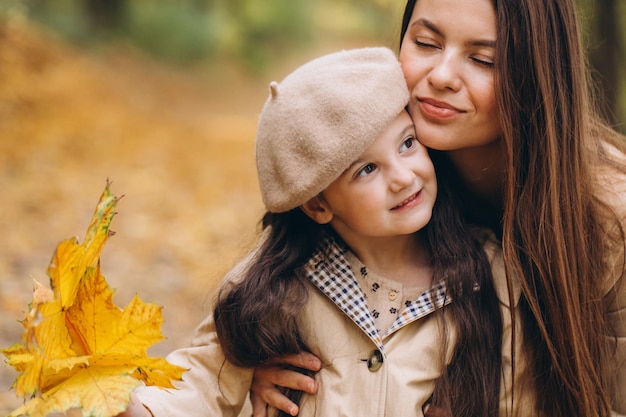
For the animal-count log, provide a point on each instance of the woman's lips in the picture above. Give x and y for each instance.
(439, 110)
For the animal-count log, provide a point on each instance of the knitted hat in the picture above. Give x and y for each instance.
(321, 118)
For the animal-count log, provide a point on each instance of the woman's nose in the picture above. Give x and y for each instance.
(444, 73)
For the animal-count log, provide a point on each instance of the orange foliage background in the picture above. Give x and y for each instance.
(178, 144)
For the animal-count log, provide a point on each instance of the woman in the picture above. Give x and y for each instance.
(501, 89)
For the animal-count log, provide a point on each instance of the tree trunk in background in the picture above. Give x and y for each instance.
(104, 15)
(605, 54)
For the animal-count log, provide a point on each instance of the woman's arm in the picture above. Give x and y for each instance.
(264, 390)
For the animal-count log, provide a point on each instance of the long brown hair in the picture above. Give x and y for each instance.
(256, 317)
(552, 222)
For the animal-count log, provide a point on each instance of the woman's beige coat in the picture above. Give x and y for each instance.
(611, 189)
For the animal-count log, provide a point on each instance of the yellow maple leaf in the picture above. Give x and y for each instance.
(79, 350)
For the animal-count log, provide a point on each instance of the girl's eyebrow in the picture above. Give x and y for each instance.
(487, 43)
(409, 128)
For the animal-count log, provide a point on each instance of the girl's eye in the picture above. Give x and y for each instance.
(366, 170)
(407, 144)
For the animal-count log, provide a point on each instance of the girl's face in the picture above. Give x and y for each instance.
(389, 190)
(447, 57)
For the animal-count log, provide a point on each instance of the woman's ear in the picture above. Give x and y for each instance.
(318, 210)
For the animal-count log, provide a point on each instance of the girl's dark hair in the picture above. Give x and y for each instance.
(256, 318)
(470, 385)
(552, 222)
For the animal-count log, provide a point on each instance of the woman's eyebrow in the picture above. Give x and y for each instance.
(487, 43)
(428, 24)
(482, 42)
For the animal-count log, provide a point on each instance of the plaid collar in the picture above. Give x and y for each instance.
(329, 270)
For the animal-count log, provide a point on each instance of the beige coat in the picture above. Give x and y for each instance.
(213, 387)
(364, 374)
(610, 188)
(404, 380)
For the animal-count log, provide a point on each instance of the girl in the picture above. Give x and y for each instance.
(500, 87)
(357, 263)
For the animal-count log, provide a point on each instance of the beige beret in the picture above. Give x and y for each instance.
(321, 118)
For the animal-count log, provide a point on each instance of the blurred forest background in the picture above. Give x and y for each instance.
(161, 97)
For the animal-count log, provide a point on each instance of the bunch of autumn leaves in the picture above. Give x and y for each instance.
(79, 350)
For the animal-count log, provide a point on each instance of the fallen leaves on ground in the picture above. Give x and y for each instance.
(79, 350)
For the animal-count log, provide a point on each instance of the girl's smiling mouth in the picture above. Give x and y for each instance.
(409, 202)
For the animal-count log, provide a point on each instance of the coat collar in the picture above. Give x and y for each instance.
(329, 271)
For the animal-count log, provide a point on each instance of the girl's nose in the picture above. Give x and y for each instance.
(401, 177)
(444, 75)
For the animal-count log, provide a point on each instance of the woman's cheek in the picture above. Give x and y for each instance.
(408, 65)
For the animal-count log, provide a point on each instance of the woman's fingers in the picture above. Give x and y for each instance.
(267, 380)
(304, 360)
(259, 407)
(264, 391)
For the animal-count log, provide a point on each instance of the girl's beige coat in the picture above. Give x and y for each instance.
(404, 381)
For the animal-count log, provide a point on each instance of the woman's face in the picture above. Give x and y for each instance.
(447, 56)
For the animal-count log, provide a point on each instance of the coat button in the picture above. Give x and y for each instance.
(375, 361)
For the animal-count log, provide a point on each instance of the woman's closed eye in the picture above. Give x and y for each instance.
(483, 61)
(426, 43)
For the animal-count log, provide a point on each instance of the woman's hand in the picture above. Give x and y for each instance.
(264, 390)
